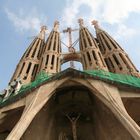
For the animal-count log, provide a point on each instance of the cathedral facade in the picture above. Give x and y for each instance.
(42, 102)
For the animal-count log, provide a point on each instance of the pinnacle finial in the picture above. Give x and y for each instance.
(56, 25)
(81, 22)
(42, 32)
(95, 23)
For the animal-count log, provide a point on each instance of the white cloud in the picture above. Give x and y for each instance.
(113, 12)
(124, 32)
(26, 21)
(110, 11)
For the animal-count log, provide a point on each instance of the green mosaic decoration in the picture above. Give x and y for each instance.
(42, 77)
(119, 78)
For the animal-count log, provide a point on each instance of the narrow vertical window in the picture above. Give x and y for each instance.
(28, 69)
(21, 69)
(57, 64)
(47, 58)
(101, 59)
(89, 58)
(54, 45)
(94, 55)
(84, 60)
(107, 44)
(34, 72)
(52, 62)
(117, 62)
(110, 64)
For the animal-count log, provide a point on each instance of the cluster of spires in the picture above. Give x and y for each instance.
(102, 53)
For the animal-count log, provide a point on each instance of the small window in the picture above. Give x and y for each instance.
(21, 69)
(89, 58)
(47, 58)
(52, 62)
(28, 69)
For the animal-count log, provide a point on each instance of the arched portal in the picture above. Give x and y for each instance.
(74, 113)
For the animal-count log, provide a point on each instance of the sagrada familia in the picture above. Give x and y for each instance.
(101, 102)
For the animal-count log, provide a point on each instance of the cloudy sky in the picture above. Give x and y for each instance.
(20, 20)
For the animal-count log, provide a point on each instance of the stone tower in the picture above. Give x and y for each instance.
(27, 67)
(90, 53)
(115, 57)
(51, 56)
(99, 103)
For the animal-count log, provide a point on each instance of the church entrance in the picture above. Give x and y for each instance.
(75, 113)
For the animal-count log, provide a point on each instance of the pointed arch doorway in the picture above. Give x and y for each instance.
(75, 113)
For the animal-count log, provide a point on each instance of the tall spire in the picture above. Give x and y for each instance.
(115, 57)
(27, 67)
(50, 61)
(91, 55)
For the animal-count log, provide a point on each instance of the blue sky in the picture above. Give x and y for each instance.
(20, 20)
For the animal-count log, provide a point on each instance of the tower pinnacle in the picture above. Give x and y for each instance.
(56, 26)
(42, 32)
(81, 22)
(95, 23)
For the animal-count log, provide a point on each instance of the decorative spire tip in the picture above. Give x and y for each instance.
(56, 25)
(42, 32)
(43, 28)
(81, 22)
(95, 23)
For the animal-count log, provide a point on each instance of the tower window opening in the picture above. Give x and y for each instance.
(101, 45)
(50, 43)
(85, 45)
(28, 52)
(111, 64)
(84, 38)
(59, 48)
(84, 58)
(107, 63)
(80, 44)
(52, 62)
(54, 45)
(107, 44)
(96, 42)
(89, 58)
(28, 69)
(40, 50)
(124, 60)
(34, 72)
(21, 69)
(90, 43)
(59, 45)
(88, 37)
(57, 64)
(40, 65)
(112, 42)
(94, 55)
(47, 58)
(47, 44)
(117, 62)
(33, 54)
(101, 59)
